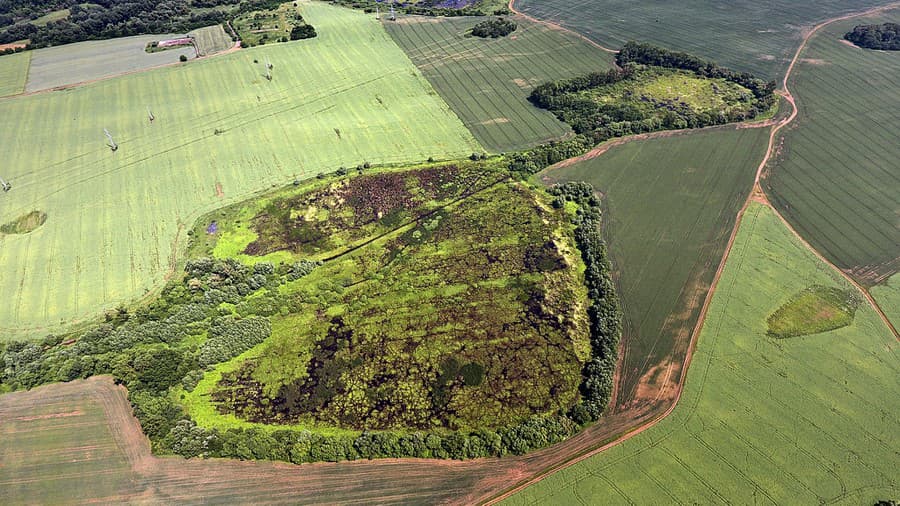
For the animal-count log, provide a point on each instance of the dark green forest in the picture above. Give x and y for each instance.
(885, 36)
(494, 28)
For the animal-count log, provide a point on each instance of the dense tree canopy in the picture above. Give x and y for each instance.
(494, 28)
(884, 37)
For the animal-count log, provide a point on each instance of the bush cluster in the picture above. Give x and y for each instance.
(494, 28)
(885, 37)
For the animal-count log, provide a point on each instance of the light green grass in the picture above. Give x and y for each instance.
(670, 208)
(117, 220)
(14, 73)
(814, 310)
(699, 93)
(745, 35)
(211, 39)
(887, 294)
(487, 81)
(799, 421)
(51, 16)
(837, 181)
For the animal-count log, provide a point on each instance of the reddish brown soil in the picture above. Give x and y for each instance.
(11, 45)
(219, 192)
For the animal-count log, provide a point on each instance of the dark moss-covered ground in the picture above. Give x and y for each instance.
(450, 296)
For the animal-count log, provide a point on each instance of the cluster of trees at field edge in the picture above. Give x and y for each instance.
(885, 37)
(615, 119)
(427, 7)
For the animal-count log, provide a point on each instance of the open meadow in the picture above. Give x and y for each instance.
(836, 177)
(670, 207)
(487, 81)
(746, 35)
(802, 420)
(14, 72)
(97, 59)
(116, 219)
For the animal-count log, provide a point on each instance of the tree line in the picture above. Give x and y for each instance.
(106, 19)
(635, 113)
(648, 54)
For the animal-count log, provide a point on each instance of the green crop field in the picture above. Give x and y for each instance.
(671, 204)
(747, 35)
(803, 420)
(487, 81)
(887, 294)
(115, 220)
(54, 441)
(211, 39)
(837, 179)
(14, 72)
(97, 59)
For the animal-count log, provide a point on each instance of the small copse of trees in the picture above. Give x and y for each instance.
(885, 36)
(494, 28)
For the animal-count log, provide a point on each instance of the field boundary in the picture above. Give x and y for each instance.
(756, 195)
(555, 26)
(232, 49)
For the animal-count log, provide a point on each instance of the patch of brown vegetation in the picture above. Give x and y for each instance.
(13, 45)
(219, 192)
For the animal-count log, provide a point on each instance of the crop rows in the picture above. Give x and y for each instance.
(14, 73)
(747, 35)
(487, 81)
(211, 39)
(671, 206)
(97, 59)
(116, 219)
(836, 180)
(802, 420)
(55, 444)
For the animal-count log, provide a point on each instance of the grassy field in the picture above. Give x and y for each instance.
(96, 59)
(671, 204)
(887, 294)
(487, 82)
(116, 219)
(55, 441)
(211, 39)
(836, 178)
(798, 421)
(14, 72)
(747, 35)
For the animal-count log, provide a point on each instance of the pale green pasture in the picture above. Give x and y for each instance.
(14, 73)
(804, 420)
(117, 220)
